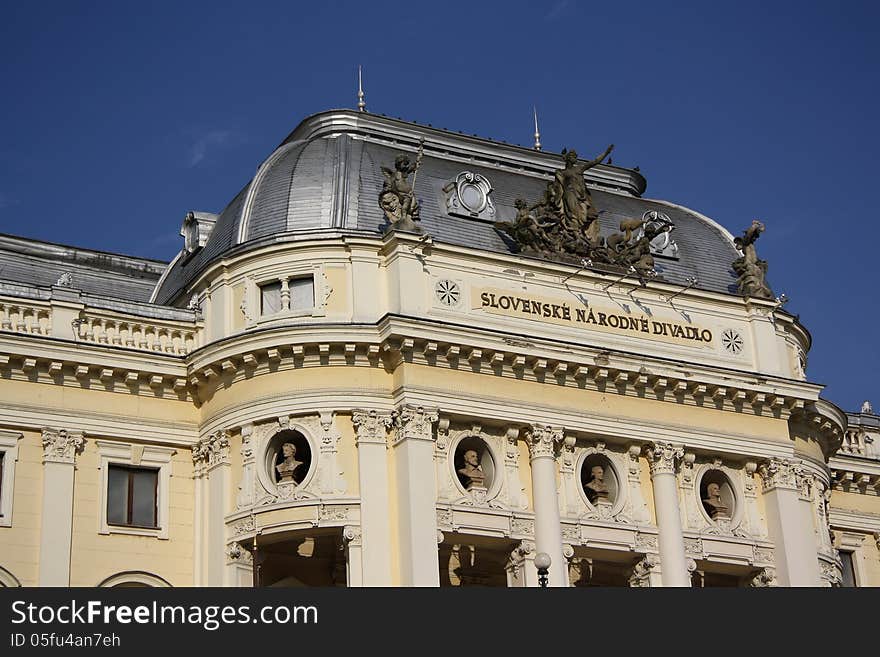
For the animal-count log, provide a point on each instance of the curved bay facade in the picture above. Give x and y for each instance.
(361, 377)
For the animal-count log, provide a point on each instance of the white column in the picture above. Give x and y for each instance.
(416, 490)
(56, 534)
(664, 459)
(354, 560)
(542, 441)
(790, 523)
(375, 545)
(211, 466)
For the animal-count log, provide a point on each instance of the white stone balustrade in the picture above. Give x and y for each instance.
(27, 317)
(177, 338)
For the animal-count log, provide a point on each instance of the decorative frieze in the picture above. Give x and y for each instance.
(243, 526)
(663, 457)
(61, 445)
(371, 426)
(543, 440)
(646, 542)
(522, 527)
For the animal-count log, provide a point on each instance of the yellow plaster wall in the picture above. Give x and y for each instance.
(870, 562)
(855, 502)
(20, 543)
(394, 522)
(346, 458)
(338, 279)
(96, 400)
(94, 556)
(647, 488)
(238, 316)
(235, 468)
(525, 471)
(293, 383)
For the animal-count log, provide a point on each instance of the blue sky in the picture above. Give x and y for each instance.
(119, 117)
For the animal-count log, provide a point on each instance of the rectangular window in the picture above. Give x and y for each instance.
(131, 496)
(2, 456)
(270, 298)
(302, 293)
(849, 573)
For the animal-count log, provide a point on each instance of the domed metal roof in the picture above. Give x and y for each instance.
(325, 178)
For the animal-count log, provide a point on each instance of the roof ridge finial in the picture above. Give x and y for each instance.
(362, 104)
(537, 146)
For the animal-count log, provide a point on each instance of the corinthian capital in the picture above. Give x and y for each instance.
(542, 440)
(781, 473)
(664, 458)
(211, 450)
(415, 423)
(61, 445)
(371, 425)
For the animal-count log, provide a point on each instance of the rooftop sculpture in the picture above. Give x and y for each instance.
(397, 198)
(750, 269)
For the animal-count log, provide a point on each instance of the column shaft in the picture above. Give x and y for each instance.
(664, 458)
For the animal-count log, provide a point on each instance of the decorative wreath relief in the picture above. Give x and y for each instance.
(447, 292)
(732, 341)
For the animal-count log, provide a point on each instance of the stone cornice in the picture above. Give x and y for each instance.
(602, 370)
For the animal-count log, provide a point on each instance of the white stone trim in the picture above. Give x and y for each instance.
(138, 576)
(262, 437)
(9, 449)
(148, 456)
(454, 484)
(7, 579)
(708, 525)
(251, 305)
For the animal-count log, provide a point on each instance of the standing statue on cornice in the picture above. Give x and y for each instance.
(751, 269)
(570, 199)
(397, 199)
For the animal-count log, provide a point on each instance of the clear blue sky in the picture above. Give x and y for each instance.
(119, 117)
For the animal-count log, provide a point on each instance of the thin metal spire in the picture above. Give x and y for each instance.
(362, 104)
(537, 133)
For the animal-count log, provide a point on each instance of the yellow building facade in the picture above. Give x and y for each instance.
(329, 387)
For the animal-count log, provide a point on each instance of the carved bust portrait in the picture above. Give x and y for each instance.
(596, 488)
(473, 474)
(713, 504)
(289, 465)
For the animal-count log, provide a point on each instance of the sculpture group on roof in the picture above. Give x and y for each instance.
(565, 223)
